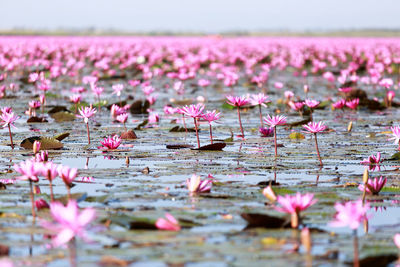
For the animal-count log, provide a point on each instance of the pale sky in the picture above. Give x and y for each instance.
(209, 16)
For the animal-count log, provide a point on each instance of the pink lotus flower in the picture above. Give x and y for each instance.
(97, 90)
(34, 104)
(294, 205)
(259, 99)
(345, 89)
(350, 214)
(396, 239)
(296, 105)
(237, 101)
(339, 104)
(211, 116)
(67, 174)
(29, 170)
(122, 118)
(169, 224)
(117, 110)
(43, 156)
(374, 186)
(75, 99)
(196, 185)
(390, 95)
(203, 82)
(69, 222)
(111, 142)
(314, 127)
(273, 122)
(311, 103)
(396, 135)
(8, 118)
(193, 111)
(386, 83)
(86, 113)
(353, 104)
(266, 132)
(117, 88)
(288, 94)
(372, 159)
(269, 193)
(41, 204)
(278, 85)
(153, 117)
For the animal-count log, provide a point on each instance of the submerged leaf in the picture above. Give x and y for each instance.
(296, 136)
(264, 220)
(212, 147)
(63, 116)
(178, 129)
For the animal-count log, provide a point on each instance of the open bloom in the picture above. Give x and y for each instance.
(295, 204)
(169, 224)
(67, 174)
(339, 104)
(296, 105)
(75, 98)
(196, 185)
(311, 103)
(352, 104)
(193, 111)
(111, 142)
(374, 186)
(237, 101)
(372, 159)
(117, 88)
(122, 118)
(259, 99)
(86, 113)
(211, 116)
(396, 134)
(396, 239)
(8, 119)
(350, 214)
(314, 127)
(29, 170)
(275, 120)
(69, 222)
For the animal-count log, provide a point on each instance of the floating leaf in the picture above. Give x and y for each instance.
(296, 136)
(47, 143)
(376, 261)
(36, 120)
(61, 136)
(395, 156)
(212, 147)
(139, 107)
(297, 123)
(227, 106)
(264, 220)
(178, 146)
(63, 116)
(178, 129)
(56, 109)
(144, 123)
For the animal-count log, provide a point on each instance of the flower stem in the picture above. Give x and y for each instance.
(276, 145)
(240, 122)
(72, 252)
(184, 122)
(211, 138)
(51, 189)
(88, 134)
(11, 140)
(76, 108)
(32, 200)
(356, 261)
(197, 133)
(68, 192)
(316, 146)
(261, 120)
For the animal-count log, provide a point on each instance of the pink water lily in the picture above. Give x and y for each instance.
(339, 104)
(314, 128)
(195, 112)
(211, 116)
(8, 118)
(196, 185)
(238, 101)
(68, 175)
(111, 142)
(168, 224)
(259, 100)
(86, 113)
(273, 122)
(372, 159)
(68, 222)
(350, 214)
(294, 205)
(374, 186)
(353, 104)
(266, 132)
